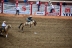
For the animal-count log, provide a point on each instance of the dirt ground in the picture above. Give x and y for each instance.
(49, 33)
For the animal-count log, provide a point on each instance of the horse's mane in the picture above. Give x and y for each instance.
(7, 26)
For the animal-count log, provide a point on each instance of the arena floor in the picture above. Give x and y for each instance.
(49, 33)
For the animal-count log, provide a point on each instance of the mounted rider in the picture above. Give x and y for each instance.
(3, 25)
(29, 19)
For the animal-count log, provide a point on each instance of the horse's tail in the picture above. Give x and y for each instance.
(20, 25)
(35, 23)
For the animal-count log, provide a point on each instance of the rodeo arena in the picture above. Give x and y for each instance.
(35, 24)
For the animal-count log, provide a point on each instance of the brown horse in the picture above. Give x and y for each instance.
(2, 31)
(27, 23)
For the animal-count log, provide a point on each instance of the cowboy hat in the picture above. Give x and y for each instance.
(4, 21)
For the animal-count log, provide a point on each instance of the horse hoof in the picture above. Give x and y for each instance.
(6, 36)
(1, 33)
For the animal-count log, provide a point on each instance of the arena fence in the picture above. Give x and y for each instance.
(32, 9)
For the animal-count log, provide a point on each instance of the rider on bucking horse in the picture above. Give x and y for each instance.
(29, 19)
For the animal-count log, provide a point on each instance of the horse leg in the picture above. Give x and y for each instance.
(22, 28)
(1, 33)
(20, 25)
(6, 34)
(35, 23)
(30, 25)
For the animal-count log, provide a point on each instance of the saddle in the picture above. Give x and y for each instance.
(2, 29)
(28, 22)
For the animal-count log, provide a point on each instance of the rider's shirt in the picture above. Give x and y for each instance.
(3, 24)
(29, 18)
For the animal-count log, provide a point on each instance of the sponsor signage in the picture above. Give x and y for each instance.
(40, 13)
